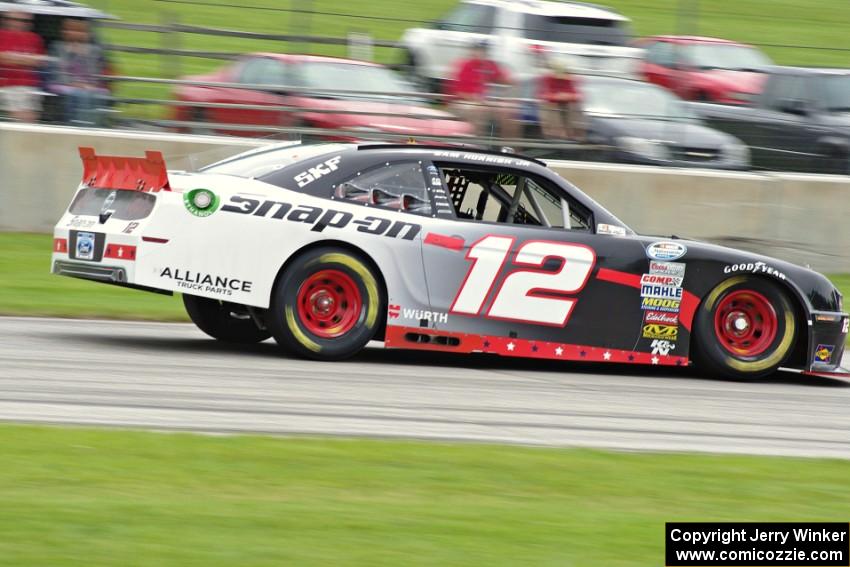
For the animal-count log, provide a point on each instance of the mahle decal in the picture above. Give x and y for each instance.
(201, 202)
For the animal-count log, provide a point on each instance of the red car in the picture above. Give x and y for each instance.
(301, 83)
(705, 68)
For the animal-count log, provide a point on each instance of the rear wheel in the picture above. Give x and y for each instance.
(327, 305)
(224, 321)
(745, 328)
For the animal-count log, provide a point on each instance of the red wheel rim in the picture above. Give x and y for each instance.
(329, 303)
(745, 323)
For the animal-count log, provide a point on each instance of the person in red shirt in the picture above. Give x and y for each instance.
(560, 104)
(21, 54)
(475, 81)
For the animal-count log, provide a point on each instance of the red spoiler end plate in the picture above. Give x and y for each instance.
(118, 172)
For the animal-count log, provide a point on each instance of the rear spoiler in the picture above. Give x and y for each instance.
(130, 173)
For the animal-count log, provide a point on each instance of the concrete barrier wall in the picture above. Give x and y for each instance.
(797, 217)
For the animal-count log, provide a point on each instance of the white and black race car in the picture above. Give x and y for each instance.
(327, 247)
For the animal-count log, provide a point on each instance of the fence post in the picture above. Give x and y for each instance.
(169, 65)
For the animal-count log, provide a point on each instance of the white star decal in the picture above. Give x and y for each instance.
(606, 355)
(654, 360)
(511, 346)
(559, 351)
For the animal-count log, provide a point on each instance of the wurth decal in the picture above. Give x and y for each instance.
(394, 311)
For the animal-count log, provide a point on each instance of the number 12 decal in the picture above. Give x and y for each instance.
(518, 298)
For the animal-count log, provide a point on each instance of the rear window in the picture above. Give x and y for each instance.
(126, 205)
(569, 29)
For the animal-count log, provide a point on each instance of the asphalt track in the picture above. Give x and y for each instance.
(171, 377)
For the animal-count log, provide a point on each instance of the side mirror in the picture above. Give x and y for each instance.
(793, 106)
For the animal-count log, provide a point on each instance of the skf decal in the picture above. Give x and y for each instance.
(306, 177)
(671, 305)
(197, 281)
(322, 218)
(754, 267)
(824, 353)
(668, 332)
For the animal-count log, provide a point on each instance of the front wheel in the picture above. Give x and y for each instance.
(327, 305)
(744, 329)
(223, 321)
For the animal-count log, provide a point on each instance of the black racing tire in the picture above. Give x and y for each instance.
(223, 321)
(327, 304)
(745, 328)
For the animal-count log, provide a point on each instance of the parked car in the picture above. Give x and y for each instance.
(800, 122)
(586, 36)
(322, 92)
(705, 68)
(646, 124)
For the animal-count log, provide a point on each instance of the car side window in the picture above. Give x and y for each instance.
(660, 53)
(471, 18)
(511, 198)
(395, 186)
(786, 88)
(263, 71)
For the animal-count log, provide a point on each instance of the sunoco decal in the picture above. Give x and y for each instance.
(201, 202)
(666, 250)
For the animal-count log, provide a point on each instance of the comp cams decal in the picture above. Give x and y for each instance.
(321, 218)
(666, 251)
(209, 283)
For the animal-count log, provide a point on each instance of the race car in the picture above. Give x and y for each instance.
(328, 247)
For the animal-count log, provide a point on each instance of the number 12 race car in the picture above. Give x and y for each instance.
(327, 247)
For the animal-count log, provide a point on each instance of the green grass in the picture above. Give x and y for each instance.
(94, 497)
(30, 288)
(792, 32)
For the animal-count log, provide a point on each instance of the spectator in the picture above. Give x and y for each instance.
(476, 79)
(560, 116)
(78, 65)
(21, 54)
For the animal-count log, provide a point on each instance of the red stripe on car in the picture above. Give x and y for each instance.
(450, 242)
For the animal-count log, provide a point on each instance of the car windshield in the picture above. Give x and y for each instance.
(351, 77)
(837, 93)
(725, 56)
(632, 99)
(564, 29)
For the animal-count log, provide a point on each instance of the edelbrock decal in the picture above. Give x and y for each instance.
(666, 250)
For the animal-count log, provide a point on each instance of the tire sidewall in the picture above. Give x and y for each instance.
(284, 320)
(713, 356)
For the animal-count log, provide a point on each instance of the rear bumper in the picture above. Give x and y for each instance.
(827, 338)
